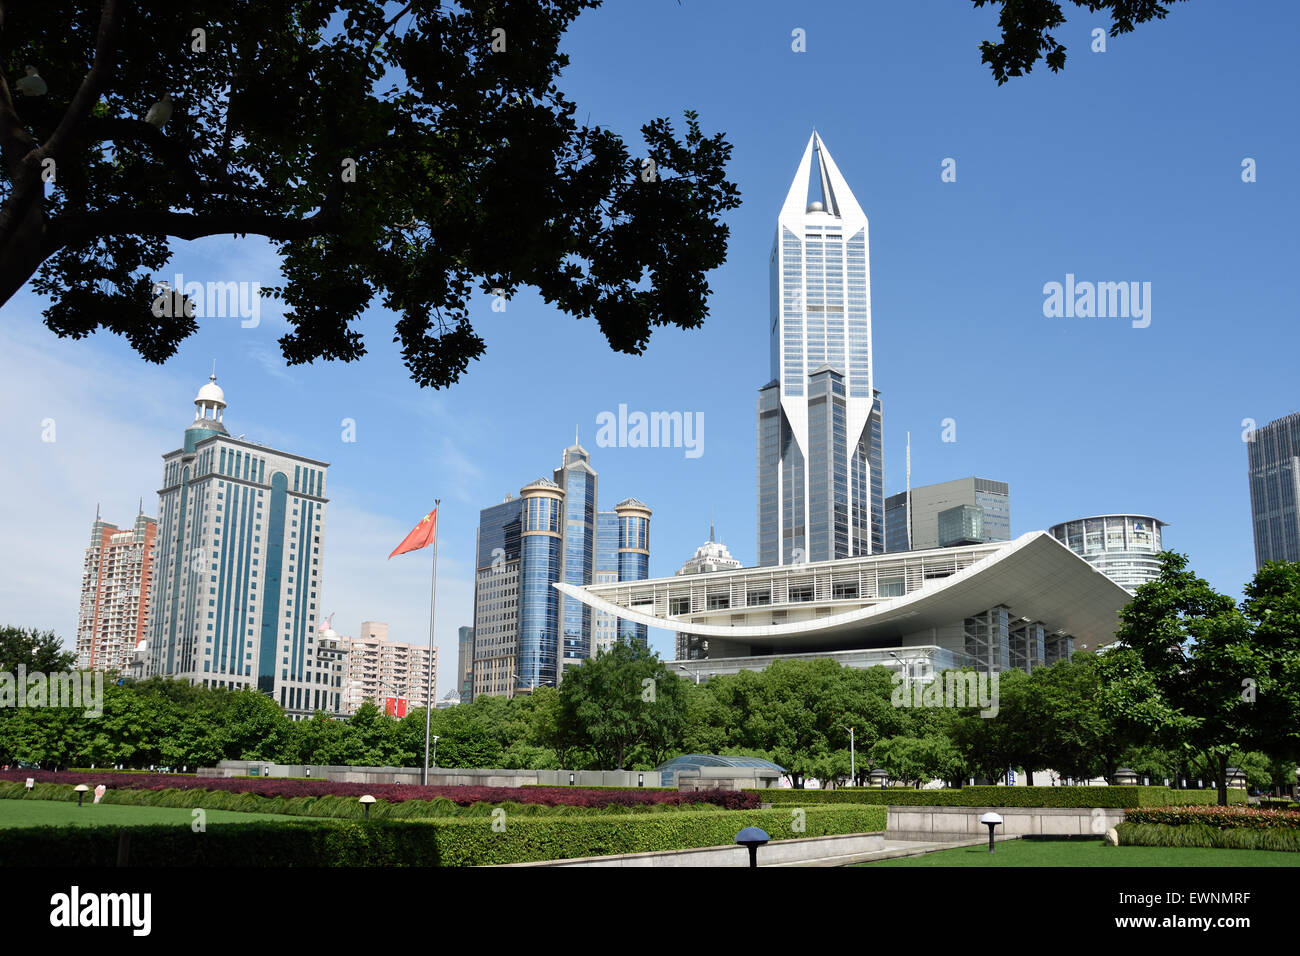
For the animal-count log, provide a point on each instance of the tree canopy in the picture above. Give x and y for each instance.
(1027, 27)
(401, 156)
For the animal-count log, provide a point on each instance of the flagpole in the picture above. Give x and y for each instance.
(428, 695)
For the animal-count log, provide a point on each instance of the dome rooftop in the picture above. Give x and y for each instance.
(211, 393)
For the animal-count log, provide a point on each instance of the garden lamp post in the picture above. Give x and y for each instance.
(753, 838)
(990, 820)
(366, 801)
(853, 756)
(81, 789)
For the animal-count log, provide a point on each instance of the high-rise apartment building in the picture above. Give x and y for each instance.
(949, 514)
(1273, 455)
(378, 668)
(115, 586)
(820, 458)
(525, 631)
(240, 536)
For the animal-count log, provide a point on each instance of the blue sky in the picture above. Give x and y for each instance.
(1125, 167)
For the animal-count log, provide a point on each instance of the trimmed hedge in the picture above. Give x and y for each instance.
(1203, 835)
(1000, 796)
(1221, 818)
(294, 843)
(338, 807)
(452, 842)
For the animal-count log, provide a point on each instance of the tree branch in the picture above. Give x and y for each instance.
(76, 228)
(88, 93)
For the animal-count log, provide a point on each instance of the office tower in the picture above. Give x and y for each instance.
(1122, 547)
(1274, 459)
(948, 514)
(378, 669)
(633, 558)
(525, 630)
(541, 565)
(240, 531)
(578, 481)
(464, 663)
(820, 463)
(604, 624)
(496, 598)
(115, 585)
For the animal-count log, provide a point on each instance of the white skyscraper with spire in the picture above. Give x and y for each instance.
(820, 464)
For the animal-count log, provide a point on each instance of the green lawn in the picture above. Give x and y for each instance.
(1091, 853)
(36, 813)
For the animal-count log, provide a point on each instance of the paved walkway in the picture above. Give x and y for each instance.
(892, 849)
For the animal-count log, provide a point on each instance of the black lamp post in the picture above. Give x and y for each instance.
(753, 838)
(990, 820)
(81, 789)
(366, 801)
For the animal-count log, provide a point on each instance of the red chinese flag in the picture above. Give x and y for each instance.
(421, 535)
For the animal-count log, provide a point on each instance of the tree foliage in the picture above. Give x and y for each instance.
(400, 157)
(35, 650)
(1027, 27)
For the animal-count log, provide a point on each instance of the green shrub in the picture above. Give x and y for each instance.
(334, 806)
(1000, 796)
(466, 841)
(1202, 835)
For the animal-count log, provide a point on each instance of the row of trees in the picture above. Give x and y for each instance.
(1199, 684)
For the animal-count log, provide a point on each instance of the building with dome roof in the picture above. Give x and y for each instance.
(238, 567)
(711, 556)
(526, 633)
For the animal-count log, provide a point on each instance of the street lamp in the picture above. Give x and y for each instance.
(81, 789)
(853, 755)
(687, 671)
(366, 801)
(990, 820)
(753, 838)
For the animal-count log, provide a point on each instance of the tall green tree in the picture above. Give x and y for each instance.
(621, 704)
(399, 155)
(1187, 664)
(34, 649)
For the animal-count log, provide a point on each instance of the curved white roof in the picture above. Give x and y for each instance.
(1035, 576)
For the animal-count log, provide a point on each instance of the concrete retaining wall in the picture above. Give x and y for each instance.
(779, 852)
(962, 823)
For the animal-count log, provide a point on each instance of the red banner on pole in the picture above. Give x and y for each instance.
(421, 535)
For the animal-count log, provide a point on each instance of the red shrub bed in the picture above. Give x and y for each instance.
(1222, 818)
(393, 792)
